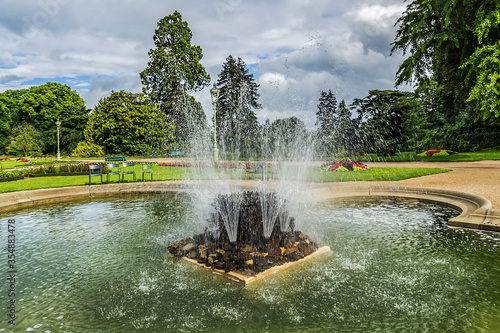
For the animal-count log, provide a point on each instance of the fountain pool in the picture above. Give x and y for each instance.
(102, 266)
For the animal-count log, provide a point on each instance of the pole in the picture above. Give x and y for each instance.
(58, 123)
(216, 150)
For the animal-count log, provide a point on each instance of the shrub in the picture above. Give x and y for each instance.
(386, 148)
(344, 166)
(7, 176)
(64, 168)
(438, 152)
(87, 149)
(441, 153)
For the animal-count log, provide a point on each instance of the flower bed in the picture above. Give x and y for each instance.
(216, 166)
(46, 171)
(344, 166)
(437, 152)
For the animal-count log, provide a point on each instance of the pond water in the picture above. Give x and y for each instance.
(102, 266)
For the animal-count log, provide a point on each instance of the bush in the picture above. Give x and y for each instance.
(87, 149)
(7, 176)
(437, 152)
(386, 148)
(441, 153)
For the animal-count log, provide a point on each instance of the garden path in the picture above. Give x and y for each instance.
(480, 177)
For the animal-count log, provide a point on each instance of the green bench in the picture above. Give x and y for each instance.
(176, 153)
(115, 159)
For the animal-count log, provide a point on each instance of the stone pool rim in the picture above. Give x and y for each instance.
(475, 211)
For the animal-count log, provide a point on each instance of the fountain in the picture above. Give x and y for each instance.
(248, 238)
(99, 266)
(248, 234)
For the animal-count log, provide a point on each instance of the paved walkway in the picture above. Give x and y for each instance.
(480, 178)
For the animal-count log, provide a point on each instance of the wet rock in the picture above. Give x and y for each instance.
(189, 247)
(251, 253)
(305, 248)
(211, 259)
(273, 249)
(244, 256)
(247, 248)
(173, 248)
(291, 250)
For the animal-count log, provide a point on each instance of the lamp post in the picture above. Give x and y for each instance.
(58, 123)
(214, 92)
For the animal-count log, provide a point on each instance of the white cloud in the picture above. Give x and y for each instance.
(296, 47)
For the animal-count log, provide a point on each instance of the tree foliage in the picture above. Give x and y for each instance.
(174, 68)
(194, 125)
(87, 149)
(41, 106)
(237, 125)
(380, 118)
(433, 119)
(457, 44)
(128, 124)
(27, 139)
(326, 117)
(285, 138)
(337, 131)
(5, 122)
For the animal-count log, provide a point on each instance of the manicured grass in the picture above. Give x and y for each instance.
(33, 162)
(375, 174)
(12, 164)
(487, 154)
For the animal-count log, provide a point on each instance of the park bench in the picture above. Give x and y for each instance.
(115, 159)
(176, 153)
(259, 169)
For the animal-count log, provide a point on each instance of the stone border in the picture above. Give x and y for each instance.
(476, 211)
(253, 278)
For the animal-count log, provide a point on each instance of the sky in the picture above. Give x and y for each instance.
(294, 48)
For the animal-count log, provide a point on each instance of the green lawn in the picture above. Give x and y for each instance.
(33, 162)
(486, 154)
(375, 174)
(179, 173)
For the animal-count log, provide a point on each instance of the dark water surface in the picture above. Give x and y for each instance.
(101, 266)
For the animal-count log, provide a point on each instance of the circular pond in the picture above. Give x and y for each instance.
(102, 266)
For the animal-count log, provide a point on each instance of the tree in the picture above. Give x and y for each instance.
(433, 119)
(346, 131)
(194, 125)
(326, 118)
(484, 66)
(129, 124)
(41, 106)
(174, 68)
(5, 122)
(457, 44)
(26, 139)
(237, 125)
(380, 120)
(288, 137)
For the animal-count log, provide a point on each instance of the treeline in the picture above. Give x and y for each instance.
(390, 121)
(452, 60)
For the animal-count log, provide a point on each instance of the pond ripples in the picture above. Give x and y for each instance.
(102, 266)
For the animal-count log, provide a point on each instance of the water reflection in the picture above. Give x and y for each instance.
(101, 266)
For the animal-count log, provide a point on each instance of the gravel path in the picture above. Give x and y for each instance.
(481, 177)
